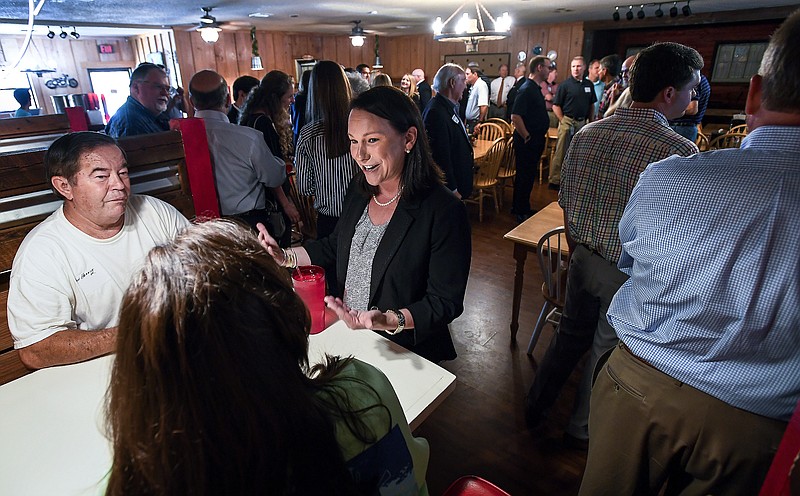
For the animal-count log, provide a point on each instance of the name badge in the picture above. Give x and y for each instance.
(456, 119)
(587, 90)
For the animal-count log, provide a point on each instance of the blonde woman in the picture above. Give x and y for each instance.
(409, 86)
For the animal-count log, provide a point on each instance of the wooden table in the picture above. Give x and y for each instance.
(53, 420)
(526, 239)
(480, 147)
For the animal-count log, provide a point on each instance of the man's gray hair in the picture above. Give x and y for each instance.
(445, 74)
(780, 68)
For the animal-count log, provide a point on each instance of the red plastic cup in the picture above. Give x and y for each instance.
(309, 284)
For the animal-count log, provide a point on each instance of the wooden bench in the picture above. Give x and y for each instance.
(157, 167)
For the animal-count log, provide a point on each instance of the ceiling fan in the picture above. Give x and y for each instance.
(208, 28)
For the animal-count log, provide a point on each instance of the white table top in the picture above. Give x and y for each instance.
(52, 439)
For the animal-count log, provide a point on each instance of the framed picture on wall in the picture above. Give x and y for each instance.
(489, 63)
(156, 58)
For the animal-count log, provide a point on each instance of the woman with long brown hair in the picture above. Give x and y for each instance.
(409, 86)
(211, 391)
(267, 109)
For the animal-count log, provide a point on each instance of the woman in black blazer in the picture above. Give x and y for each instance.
(402, 246)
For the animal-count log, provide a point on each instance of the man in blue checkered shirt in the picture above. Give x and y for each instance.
(601, 168)
(697, 395)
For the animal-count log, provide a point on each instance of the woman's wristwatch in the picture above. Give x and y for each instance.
(401, 322)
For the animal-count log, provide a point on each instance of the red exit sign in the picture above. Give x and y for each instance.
(105, 48)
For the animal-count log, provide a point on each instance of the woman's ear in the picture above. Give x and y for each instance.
(411, 138)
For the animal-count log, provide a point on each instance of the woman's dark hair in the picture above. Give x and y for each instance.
(328, 99)
(266, 98)
(420, 172)
(210, 391)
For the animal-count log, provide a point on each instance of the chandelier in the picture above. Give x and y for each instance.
(472, 31)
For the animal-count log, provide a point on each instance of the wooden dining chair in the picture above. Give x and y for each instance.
(485, 181)
(727, 140)
(741, 128)
(547, 155)
(508, 169)
(553, 263)
(702, 142)
(508, 129)
(490, 131)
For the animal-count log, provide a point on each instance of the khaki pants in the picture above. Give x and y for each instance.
(647, 429)
(566, 130)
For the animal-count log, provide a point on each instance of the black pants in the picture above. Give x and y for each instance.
(527, 161)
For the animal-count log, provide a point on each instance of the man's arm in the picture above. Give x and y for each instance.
(519, 125)
(558, 112)
(692, 108)
(484, 112)
(270, 170)
(69, 346)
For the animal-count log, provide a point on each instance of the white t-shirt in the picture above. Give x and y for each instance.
(478, 97)
(62, 278)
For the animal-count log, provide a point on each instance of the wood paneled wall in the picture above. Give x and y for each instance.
(704, 39)
(71, 57)
(230, 56)
(163, 42)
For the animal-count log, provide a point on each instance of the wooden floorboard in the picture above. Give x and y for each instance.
(480, 429)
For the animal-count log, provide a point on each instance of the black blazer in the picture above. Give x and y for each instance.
(425, 93)
(450, 146)
(422, 264)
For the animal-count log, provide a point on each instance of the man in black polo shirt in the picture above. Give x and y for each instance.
(573, 105)
(531, 121)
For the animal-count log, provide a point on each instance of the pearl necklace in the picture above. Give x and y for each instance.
(394, 198)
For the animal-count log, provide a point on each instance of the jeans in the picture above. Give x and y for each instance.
(688, 131)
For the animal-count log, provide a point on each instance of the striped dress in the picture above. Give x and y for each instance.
(323, 177)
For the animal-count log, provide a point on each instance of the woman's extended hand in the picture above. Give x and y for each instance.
(269, 244)
(357, 319)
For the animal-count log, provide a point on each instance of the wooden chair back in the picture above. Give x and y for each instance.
(156, 165)
(489, 164)
(727, 140)
(702, 142)
(741, 128)
(508, 167)
(31, 133)
(490, 131)
(549, 251)
(508, 129)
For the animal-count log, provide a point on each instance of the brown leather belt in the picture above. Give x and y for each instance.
(625, 347)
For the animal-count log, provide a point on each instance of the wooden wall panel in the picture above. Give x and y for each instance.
(704, 39)
(399, 54)
(68, 56)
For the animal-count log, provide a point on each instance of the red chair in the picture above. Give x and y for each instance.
(471, 485)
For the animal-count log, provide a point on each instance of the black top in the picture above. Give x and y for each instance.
(450, 146)
(529, 104)
(512, 95)
(425, 94)
(575, 98)
(422, 264)
(263, 123)
(233, 115)
(298, 112)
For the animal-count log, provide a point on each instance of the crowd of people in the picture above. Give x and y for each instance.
(688, 314)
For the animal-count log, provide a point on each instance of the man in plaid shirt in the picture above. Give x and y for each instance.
(599, 172)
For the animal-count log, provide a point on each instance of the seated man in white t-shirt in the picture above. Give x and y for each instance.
(71, 270)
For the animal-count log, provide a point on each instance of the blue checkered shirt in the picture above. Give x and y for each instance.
(601, 168)
(711, 246)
